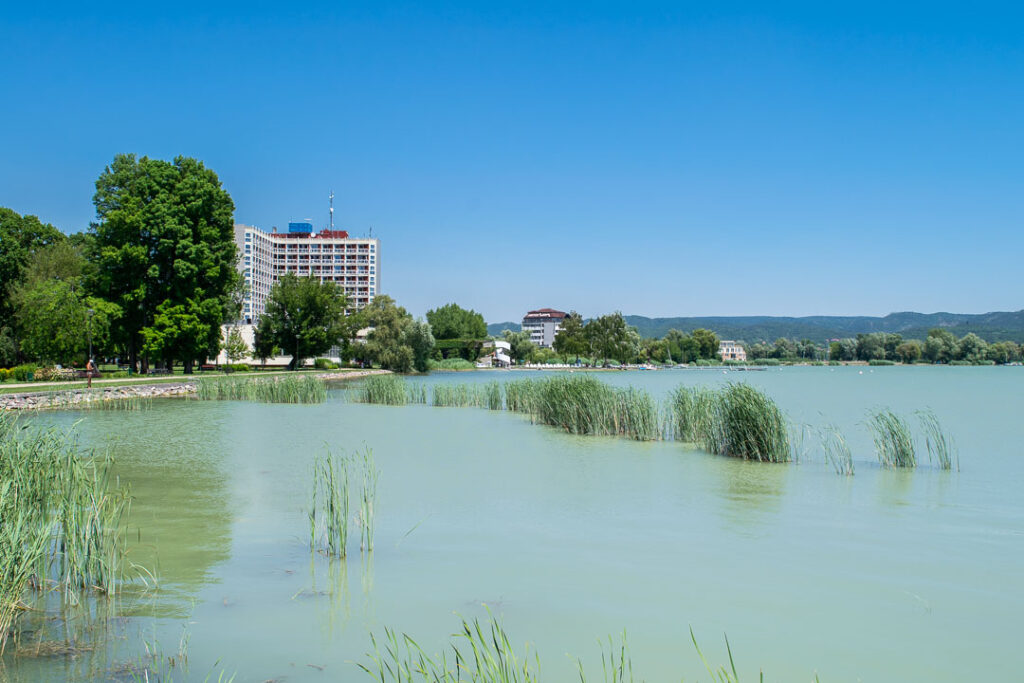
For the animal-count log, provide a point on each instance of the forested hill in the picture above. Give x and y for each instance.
(992, 327)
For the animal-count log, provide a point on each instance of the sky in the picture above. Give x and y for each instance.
(662, 159)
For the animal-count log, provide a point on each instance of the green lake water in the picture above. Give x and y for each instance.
(883, 576)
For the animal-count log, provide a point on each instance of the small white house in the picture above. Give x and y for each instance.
(499, 355)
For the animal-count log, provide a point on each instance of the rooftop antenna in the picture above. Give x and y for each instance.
(331, 198)
(371, 232)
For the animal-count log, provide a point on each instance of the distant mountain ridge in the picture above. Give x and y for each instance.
(992, 327)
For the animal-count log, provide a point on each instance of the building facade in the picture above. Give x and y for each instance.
(543, 324)
(730, 350)
(330, 255)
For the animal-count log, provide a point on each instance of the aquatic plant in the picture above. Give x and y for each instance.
(941, 447)
(60, 519)
(893, 441)
(837, 452)
(289, 389)
(482, 652)
(388, 390)
(368, 500)
(692, 414)
(328, 513)
(751, 426)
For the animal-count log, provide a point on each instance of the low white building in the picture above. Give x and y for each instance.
(543, 324)
(730, 350)
(499, 355)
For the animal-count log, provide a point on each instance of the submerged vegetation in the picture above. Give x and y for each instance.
(61, 520)
(482, 652)
(290, 389)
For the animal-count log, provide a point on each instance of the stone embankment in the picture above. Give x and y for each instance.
(74, 397)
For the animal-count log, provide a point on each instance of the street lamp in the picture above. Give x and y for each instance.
(89, 360)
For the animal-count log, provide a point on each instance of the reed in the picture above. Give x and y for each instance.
(60, 519)
(692, 414)
(893, 441)
(290, 389)
(482, 652)
(368, 500)
(329, 509)
(751, 426)
(387, 390)
(837, 451)
(584, 405)
(941, 447)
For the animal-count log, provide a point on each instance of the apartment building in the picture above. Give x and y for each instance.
(331, 255)
(543, 324)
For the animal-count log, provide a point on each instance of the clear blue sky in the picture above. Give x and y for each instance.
(659, 158)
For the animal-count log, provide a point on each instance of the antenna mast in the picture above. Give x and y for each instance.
(331, 198)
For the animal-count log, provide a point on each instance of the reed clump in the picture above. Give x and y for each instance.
(368, 500)
(290, 389)
(61, 519)
(941, 447)
(837, 451)
(893, 441)
(389, 390)
(329, 509)
(739, 420)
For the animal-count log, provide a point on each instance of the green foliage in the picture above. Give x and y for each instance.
(738, 421)
(324, 364)
(184, 332)
(20, 238)
(521, 346)
(454, 322)
(304, 317)
(234, 345)
(329, 507)
(164, 237)
(940, 445)
(893, 441)
(450, 364)
(25, 372)
(397, 342)
(837, 452)
(611, 338)
(571, 339)
(384, 389)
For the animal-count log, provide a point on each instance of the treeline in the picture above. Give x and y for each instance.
(153, 279)
(940, 346)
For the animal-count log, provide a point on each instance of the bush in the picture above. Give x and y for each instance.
(450, 364)
(960, 362)
(5, 374)
(235, 367)
(324, 364)
(768, 361)
(24, 373)
(879, 361)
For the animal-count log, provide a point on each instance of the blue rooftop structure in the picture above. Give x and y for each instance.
(300, 227)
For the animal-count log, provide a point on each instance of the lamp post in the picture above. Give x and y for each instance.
(88, 371)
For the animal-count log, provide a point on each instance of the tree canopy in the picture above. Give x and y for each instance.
(304, 318)
(451, 321)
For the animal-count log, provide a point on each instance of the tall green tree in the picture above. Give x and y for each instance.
(707, 342)
(940, 346)
(396, 342)
(571, 339)
(611, 338)
(304, 318)
(164, 236)
(520, 346)
(451, 321)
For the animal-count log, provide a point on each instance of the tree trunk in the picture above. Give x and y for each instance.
(188, 366)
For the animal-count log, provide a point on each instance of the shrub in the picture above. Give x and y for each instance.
(24, 373)
(324, 364)
(4, 374)
(768, 361)
(879, 361)
(450, 364)
(235, 367)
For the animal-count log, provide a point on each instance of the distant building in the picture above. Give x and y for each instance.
(730, 350)
(330, 255)
(543, 324)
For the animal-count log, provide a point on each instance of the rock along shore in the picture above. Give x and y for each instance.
(73, 397)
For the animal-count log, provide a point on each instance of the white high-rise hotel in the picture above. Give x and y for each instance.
(331, 255)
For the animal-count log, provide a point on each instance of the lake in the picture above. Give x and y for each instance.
(886, 575)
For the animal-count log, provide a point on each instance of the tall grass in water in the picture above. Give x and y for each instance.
(837, 452)
(941, 447)
(387, 390)
(584, 405)
(60, 520)
(752, 426)
(368, 500)
(290, 389)
(692, 414)
(484, 653)
(893, 441)
(328, 514)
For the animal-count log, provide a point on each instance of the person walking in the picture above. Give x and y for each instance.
(90, 367)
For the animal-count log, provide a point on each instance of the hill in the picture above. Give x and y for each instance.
(992, 327)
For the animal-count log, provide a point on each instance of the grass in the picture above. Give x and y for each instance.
(837, 452)
(739, 421)
(368, 500)
(61, 520)
(451, 364)
(585, 405)
(893, 441)
(483, 652)
(388, 390)
(328, 513)
(283, 389)
(941, 447)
